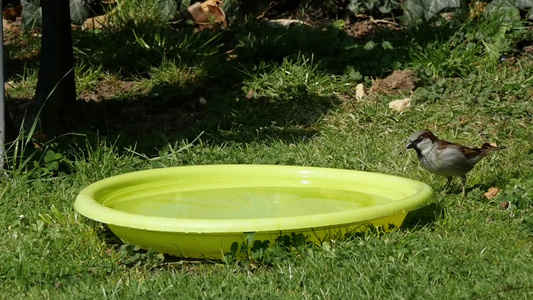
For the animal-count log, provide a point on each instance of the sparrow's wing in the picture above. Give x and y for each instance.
(471, 152)
(466, 151)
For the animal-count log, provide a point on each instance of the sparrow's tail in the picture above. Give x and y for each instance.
(488, 148)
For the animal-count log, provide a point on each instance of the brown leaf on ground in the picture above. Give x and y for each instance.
(504, 205)
(398, 80)
(401, 104)
(476, 9)
(39, 138)
(12, 12)
(6, 24)
(360, 91)
(491, 193)
(206, 12)
(97, 22)
(250, 94)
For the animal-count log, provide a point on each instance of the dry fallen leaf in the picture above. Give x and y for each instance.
(39, 138)
(504, 205)
(100, 22)
(399, 105)
(6, 24)
(360, 91)
(476, 9)
(491, 193)
(12, 12)
(9, 84)
(97, 22)
(250, 94)
(205, 12)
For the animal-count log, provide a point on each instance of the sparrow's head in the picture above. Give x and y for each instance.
(421, 140)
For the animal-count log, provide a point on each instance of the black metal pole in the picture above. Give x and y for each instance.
(55, 94)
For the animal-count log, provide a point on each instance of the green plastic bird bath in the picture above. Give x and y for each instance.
(199, 211)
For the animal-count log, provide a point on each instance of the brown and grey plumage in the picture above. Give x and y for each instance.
(446, 158)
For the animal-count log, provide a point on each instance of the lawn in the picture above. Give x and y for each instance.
(153, 96)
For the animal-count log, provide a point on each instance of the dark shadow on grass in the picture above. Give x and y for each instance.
(134, 49)
(20, 54)
(424, 216)
(109, 237)
(170, 111)
(151, 124)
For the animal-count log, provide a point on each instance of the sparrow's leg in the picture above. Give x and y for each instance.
(463, 178)
(449, 181)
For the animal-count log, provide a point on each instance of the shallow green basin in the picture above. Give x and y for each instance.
(199, 211)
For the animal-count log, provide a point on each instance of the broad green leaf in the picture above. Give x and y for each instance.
(427, 9)
(168, 8)
(51, 160)
(387, 6)
(359, 6)
(505, 10)
(387, 45)
(369, 45)
(31, 14)
(523, 3)
(79, 10)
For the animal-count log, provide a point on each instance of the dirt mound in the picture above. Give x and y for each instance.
(398, 80)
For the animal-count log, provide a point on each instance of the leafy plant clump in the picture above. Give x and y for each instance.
(132, 256)
(429, 10)
(262, 253)
(479, 44)
(519, 193)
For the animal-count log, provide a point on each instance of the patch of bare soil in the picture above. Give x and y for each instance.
(108, 89)
(364, 26)
(397, 81)
(360, 29)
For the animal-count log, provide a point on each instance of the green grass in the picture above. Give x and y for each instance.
(303, 112)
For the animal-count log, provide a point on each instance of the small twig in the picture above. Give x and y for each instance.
(381, 21)
(378, 21)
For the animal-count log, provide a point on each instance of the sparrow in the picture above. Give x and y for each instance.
(446, 158)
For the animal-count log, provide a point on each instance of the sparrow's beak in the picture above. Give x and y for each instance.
(410, 145)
